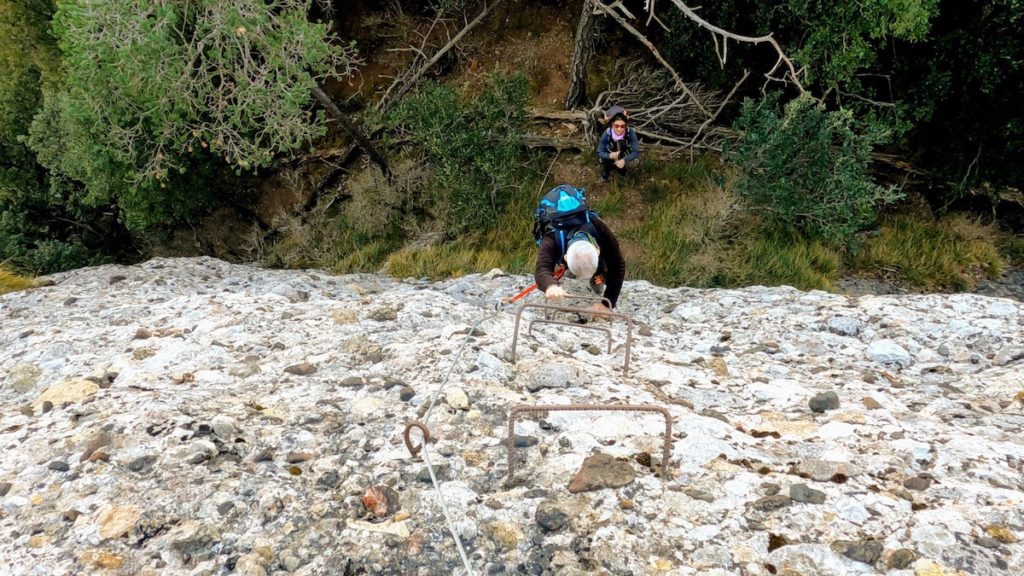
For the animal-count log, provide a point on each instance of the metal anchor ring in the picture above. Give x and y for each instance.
(415, 450)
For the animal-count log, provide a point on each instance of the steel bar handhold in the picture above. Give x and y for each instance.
(415, 450)
(510, 439)
(608, 315)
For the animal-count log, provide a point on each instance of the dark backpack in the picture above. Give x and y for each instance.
(563, 210)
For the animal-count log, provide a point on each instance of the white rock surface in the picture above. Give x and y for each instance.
(149, 427)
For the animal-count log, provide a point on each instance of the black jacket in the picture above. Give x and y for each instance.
(611, 263)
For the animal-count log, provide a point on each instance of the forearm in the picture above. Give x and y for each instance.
(544, 272)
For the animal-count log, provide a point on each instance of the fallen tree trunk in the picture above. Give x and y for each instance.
(350, 129)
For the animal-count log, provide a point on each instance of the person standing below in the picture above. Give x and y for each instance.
(618, 147)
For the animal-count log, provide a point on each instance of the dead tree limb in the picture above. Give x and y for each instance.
(609, 10)
(783, 60)
(707, 122)
(351, 131)
(583, 49)
(405, 82)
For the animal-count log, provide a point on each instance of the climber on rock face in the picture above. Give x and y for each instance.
(583, 243)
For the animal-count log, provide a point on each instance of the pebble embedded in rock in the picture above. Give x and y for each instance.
(699, 494)
(554, 375)
(456, 398)
(806, 494)
(298, 457)
(866, 551)
(900, 559)
(142, 463)
(354, 381)
(59, 466)
(525, 441)
(550, 517)
(870, 403)
(888, 352)
(601, 471)
(844, 325)
(917, 483)
(987, 542)
(301, 369)
(770, 503)
(824, 402)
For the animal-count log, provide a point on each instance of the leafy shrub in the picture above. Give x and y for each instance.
(806, 168)
(471, 142)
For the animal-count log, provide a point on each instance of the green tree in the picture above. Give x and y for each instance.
(472, 144)
(158, 95)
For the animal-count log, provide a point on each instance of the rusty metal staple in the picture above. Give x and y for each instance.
(666, 441)
(415, 450)
(556, 308)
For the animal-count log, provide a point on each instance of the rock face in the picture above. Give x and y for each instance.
(197, 417)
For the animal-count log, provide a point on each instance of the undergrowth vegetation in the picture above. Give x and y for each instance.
(11, 282)
(949, 254)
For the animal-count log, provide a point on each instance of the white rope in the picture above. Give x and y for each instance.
(426, 453)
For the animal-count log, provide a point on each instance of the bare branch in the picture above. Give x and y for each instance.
(657, 55)
(728, 97)
(406, 82)
(793, 75)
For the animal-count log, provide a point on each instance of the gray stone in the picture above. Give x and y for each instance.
(193, 539)
(770, 503)
(804, 493)
(550, 517)
(866, 551)
(59, 466)
(888, 352)
(917, 483)
(826, 471)
(844, 325)
(224, 426)
(23, 377)
(555, 375)
(301, 369)
(5, 487)
(142, 463)
(900, 559)
(525, 441)
(987, 542)
(699, 494)
(824, 402)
